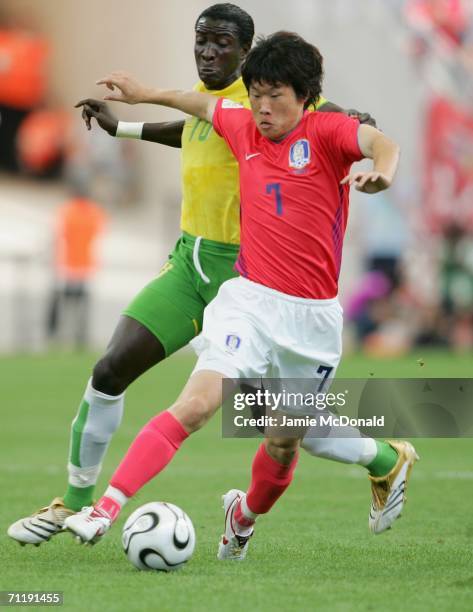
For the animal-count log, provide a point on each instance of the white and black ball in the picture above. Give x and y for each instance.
(158, 536)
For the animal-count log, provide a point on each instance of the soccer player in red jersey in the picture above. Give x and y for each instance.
(168, 312)
(281, 318)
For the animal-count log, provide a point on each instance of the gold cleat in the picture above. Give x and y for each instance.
(42, 525)
(389, 492)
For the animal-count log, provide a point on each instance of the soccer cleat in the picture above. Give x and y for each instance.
(89, 525)
(389, 492)
(232, 546)
(42, 525)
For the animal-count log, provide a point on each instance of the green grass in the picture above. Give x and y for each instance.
(312, 552)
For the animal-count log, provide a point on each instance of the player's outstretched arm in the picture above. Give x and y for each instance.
(385, 155)
(167, 133)
(126, 88)
(331, 107)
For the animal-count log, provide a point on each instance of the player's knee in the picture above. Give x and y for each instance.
(107, 379)
(282, 450)
(193, 412)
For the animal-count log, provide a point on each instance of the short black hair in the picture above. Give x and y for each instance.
(285, 58)
(233, 14)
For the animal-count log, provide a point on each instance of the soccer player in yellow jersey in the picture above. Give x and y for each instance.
(168, 312)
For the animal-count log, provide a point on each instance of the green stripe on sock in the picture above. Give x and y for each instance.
(76, 433)
(76, 498)
(385, 460)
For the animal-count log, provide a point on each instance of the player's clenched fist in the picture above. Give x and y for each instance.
(368, 182)
(129, 89)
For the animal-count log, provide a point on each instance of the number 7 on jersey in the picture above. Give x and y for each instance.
(276, 188)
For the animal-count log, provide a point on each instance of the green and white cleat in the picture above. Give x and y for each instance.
(389, 492)
(42, 525)
(232, 546)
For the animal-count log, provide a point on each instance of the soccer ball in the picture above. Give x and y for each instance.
(158, 536)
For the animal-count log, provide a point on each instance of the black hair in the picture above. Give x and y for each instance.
(234, 14)
(285, 58)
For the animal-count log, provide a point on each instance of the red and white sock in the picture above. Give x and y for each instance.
(269, 480)
(243, 518)
(151, 451)
(109, 507)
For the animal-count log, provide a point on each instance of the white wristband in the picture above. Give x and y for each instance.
(129, 130)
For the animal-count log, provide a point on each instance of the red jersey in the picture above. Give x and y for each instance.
(293, 209)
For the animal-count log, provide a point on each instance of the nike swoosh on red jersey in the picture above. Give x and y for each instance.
(250, 155)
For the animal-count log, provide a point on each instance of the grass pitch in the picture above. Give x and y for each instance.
(312, 552)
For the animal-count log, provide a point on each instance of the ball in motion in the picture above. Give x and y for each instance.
(158, 536)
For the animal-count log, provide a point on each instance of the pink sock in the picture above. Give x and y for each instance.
(269, 480)
(152, 449)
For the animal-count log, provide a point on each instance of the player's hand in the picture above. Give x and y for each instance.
(362, 117)
(368, 182)
(125, 87)
(100, 111)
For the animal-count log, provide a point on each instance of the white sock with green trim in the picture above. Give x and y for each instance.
(353, 449)
(97, 419)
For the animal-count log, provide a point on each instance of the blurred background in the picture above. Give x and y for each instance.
(86, 220)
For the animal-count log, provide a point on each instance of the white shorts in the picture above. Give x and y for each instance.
(252, 331)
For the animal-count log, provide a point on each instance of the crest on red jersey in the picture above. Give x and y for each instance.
(299, 154)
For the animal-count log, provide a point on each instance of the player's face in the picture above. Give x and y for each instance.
(276, 109)
(218, 53)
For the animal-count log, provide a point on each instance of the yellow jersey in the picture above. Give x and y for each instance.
(210, 178)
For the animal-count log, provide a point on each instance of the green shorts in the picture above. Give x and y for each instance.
(172, 305)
